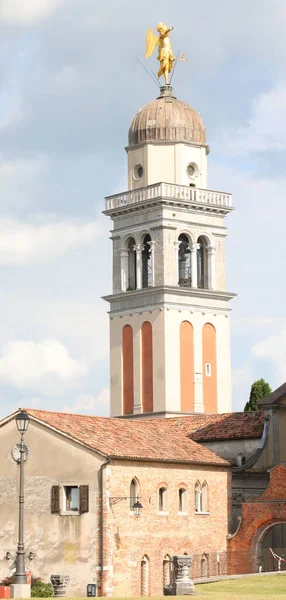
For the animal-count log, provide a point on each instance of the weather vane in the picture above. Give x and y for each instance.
(165, 53)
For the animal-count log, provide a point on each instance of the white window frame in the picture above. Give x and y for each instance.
(63, 500)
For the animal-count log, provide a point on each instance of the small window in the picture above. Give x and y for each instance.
(163, 505)
(205, 500)
(208, 369)
(198, 497)
(71, 498)
(138, 172)
(182, 500)
(134, 492)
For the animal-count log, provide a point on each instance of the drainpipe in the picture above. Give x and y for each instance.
(101, 524)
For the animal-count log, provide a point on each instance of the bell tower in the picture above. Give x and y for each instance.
(169, 310)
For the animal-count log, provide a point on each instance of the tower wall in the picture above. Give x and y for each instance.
(167, 162)
(169, 376)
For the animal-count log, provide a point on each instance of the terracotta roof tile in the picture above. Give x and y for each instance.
(226, 426)
(121, 438)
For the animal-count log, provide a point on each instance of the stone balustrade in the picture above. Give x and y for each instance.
(169, 191)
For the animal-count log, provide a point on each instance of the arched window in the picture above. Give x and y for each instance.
(184, 258)
(145, 576)
(134, 491)
(183, 500)
(132, 283)
(198, 497)
(205, 500)
(167, 570)
(163, 499)
(146, 262)
(202, 263)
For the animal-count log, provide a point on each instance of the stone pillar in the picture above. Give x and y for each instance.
(59, 583)
(211, 267)
(151, 245)
(124, 268)
(194, 248)
(138, 249)
(183, 585)
(177, 246)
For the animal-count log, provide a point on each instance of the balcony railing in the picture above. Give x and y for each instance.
(169, 191)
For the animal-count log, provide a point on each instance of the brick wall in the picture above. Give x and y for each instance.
(258, 514)
(155, 535)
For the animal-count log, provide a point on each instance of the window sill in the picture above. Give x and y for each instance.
(182, 513)
(201, 513)
(69, 513)
(163, 513)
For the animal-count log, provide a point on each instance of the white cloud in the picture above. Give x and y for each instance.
(273, 348)
(25, 11)
(44, 367)
(84, 402)
(30, 244)
(88, 403)
(266, 130)
(103, 396)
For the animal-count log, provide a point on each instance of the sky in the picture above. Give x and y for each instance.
(69, 87)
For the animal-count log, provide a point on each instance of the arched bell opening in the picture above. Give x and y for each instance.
(185, 265)
(146, 262)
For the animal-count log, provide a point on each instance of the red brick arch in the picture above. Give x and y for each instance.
(258, 515)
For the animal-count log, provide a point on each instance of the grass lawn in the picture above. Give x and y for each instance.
(265, 587)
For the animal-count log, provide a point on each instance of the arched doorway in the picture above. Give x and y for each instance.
(273, 537)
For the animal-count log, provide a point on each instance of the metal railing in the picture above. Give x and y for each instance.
(169, 191)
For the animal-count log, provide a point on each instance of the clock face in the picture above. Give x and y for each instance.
(16, 453)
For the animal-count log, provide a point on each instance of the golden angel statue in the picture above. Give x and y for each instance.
(165, 53)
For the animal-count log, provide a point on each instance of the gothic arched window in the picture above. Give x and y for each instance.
(145, 576)
(146, 262)
(134, 491)
(205, 500)
(184, 258)
(132, 283)
(202, 263)
(183, 500)
(198, 497)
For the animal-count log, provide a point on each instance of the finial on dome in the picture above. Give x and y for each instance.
(166, 91)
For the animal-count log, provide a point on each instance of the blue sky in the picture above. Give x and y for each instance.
(70, 86)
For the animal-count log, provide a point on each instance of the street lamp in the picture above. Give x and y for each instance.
(22, 421)
(137, 507)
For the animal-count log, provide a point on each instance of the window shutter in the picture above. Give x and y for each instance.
(83, 499)
(55, 499)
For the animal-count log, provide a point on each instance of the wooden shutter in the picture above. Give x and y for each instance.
(55, 499)
(83, 499)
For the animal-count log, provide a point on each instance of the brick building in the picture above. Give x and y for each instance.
(83, 476)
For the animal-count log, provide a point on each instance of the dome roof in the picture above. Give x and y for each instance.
(167, 119)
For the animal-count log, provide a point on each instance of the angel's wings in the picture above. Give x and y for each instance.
(151, 42)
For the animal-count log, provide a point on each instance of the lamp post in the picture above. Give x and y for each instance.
(22, 421)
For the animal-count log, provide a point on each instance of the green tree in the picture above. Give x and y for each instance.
(259, 390)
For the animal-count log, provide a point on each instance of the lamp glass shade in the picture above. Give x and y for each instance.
(137, 508)
(22, 421)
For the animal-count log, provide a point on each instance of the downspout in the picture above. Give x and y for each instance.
(101, 524)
